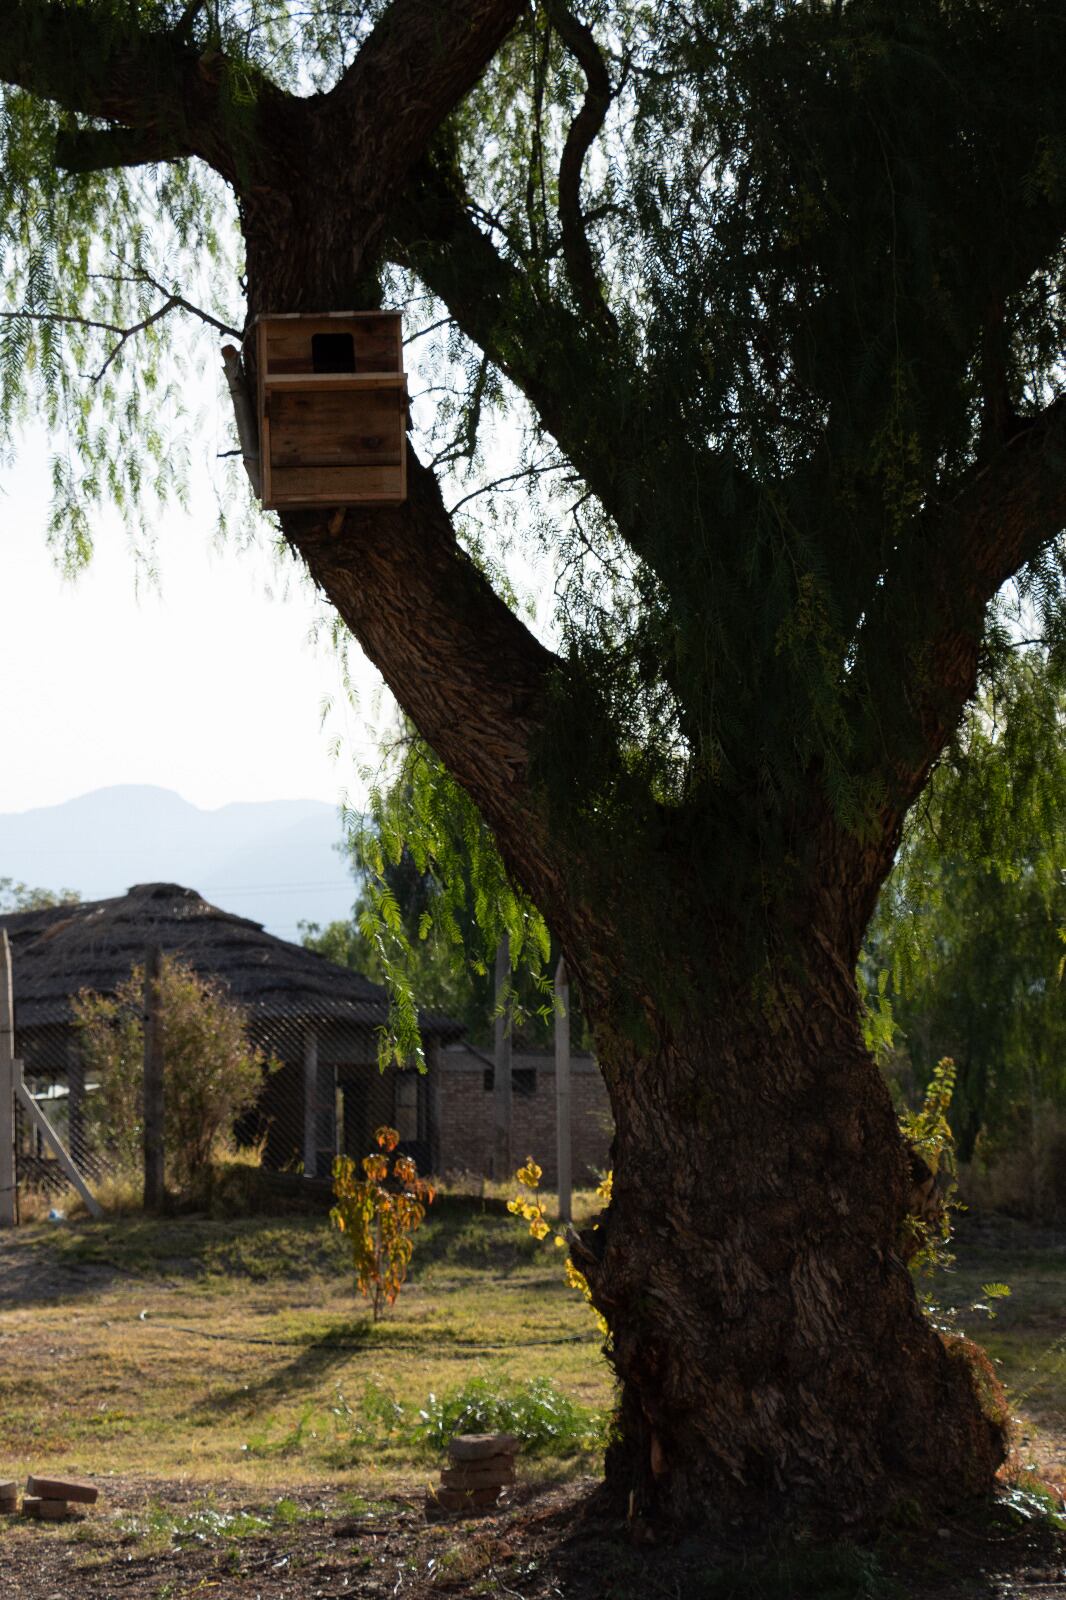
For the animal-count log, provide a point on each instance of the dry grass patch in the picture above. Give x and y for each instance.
(208, 1349)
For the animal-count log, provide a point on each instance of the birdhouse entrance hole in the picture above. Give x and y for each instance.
(332, 409)
(332, 352)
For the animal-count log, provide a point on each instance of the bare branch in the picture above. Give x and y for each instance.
(442, 322)
(577, 253)
(536, 470)
(173, 302)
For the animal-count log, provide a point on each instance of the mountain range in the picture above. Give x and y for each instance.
(275, 861)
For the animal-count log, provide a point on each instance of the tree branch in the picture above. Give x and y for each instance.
(173, 302)
(412, 70)
(100, 149)
(580, 266)
(546, 349)
(945, 574)
(98, 61)
(474, 679)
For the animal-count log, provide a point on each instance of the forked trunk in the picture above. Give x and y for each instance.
(764, 1328)
(771, 1352)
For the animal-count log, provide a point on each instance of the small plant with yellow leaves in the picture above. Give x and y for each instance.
(378, 1213)
(530, 1207)
(928, 1133)
(926, 1242)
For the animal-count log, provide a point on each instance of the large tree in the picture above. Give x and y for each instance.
(781, 283)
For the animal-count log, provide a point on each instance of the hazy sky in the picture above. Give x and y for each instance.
(209, 685)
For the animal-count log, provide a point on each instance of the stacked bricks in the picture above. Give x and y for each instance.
(9, 1496)
(481, 1465)
(49, 1499)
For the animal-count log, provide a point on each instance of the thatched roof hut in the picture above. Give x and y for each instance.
(320, 1020)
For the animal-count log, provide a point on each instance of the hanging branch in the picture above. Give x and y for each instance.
(577, 253)
(173, 302)
(536, 469)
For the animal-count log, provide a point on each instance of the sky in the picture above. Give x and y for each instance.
(209, 683)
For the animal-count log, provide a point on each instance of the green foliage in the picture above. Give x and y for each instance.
(546, 1421)
(964, 954)
(928, 1132)
(434, 903)
(87, 258)
(212, 1073)
(377, 1214)
(821, 269)
(928, 1129)
(16, 896)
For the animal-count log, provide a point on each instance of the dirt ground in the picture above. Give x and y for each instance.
(160, 1541)
(91, 1371)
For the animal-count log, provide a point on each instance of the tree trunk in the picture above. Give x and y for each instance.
(764, 1327)
(772, 1355)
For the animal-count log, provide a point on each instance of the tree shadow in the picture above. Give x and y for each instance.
(313, 1362)
(50, 1263)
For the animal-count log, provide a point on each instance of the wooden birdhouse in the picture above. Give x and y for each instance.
(332, 409)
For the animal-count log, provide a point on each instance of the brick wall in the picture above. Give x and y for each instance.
(466, 1115)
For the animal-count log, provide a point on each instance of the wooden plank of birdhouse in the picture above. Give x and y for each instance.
(265, 491)
(288, 343)
(337, 486)
(277, 381)
(331, 428)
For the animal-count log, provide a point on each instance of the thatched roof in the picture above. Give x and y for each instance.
(57, 951)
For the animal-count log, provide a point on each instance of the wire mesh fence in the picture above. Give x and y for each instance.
(312, 1028)
(315, 1028)
(321, 1094)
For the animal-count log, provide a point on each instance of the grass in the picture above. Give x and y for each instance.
(206, 1349)
(236, 1350)
(1026, 1336)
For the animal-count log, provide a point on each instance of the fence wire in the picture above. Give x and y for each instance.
(322, 1095)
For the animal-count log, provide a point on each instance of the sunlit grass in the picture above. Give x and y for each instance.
(185, 1347)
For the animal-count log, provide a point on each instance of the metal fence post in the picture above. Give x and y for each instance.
(562, 1090)
(153, 1082)
(7, 1087)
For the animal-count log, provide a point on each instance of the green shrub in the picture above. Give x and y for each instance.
(536, 1412)
(212, 1073)
(545, 1420)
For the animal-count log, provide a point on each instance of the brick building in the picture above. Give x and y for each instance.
(466, 1131)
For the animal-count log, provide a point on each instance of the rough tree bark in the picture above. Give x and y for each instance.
(764, 1325)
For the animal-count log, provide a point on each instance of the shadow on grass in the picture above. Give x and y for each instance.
(49, 1263)
(304, 1373)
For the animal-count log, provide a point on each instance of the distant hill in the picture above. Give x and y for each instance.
(272, 860)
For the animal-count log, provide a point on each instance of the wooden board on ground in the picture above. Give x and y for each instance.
(62, 1489)
(34, 1505)
(481, 1446)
